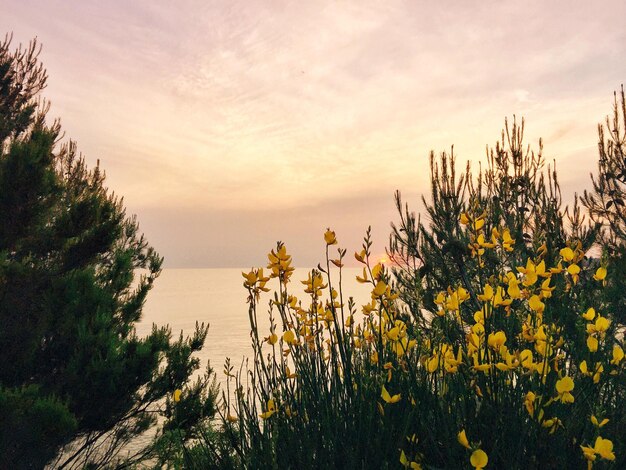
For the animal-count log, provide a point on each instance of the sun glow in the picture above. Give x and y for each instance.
(383, 259)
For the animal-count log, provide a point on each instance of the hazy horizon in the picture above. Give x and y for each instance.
(227, 126)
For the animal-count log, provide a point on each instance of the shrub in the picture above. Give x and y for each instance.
(523, 371)
(72, 369)
(494, 340)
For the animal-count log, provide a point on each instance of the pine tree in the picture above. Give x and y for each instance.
(73, 373)
(606, 201)
(525, 267)
(516, 191)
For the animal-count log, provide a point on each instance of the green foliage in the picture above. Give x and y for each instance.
(73, 372)
(31, 426)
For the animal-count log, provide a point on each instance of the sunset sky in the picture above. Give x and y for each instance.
(228, 125)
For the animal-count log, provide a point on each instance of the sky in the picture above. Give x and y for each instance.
(229, 125)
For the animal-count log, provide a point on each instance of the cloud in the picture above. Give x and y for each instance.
(231, 108)
(221, 238)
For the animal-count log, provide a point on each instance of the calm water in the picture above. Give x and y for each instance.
(180, 297)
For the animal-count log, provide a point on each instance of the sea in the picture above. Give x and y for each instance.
(182, 297)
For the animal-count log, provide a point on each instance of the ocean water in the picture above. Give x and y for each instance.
(182, 297)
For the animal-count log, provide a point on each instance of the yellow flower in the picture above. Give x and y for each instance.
(462, 294)
(601, 324)
(487, 293)
(496, 340)
(362, 280)
(558, 269)
(513, 290)
(526, 358)
(546, 290)
(495, 234)
(600, 274)
(177, 393)
(597, 423)
(507, 241)
(374, 358)
(289, 337)
(536, 304)
(618, 355)
(250, 278)
(479, 459)
(598, 373)
(456, 298)
(280, 264)
(452, 363)
(330, 238)
(482, 243)
(530, 273)
(499, 299)
(271, 409)
(552, 424)
(604, 448)
(393, 333)
(485, 367)
(479, 223)
(511, 360)
(272, 338)
(564, 386)
(573, 269)
(377, 270)
(402, 346)
(567, 254)
(406, 464)
(360, 257)
(590, 454)
(464, 219)
(540, 269)
(314, 284)
(462, 438)
(589, 314)
(389, 398)
(231, 419)
(592, 343)
(529, 403)
(479, 316)
(379, 289)
(432, 363)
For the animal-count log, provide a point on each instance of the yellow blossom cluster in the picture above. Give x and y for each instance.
(494, 334)
(478, 243)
